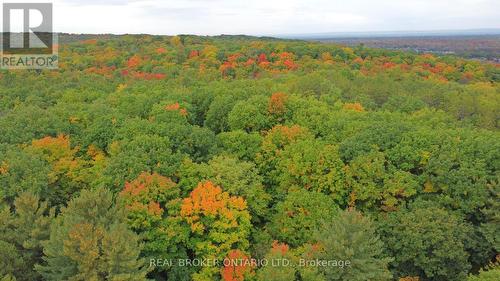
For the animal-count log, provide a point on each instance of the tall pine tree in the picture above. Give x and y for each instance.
(351, 237)
(22, 231)
(90, 241)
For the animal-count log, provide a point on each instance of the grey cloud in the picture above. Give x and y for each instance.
(101, 2)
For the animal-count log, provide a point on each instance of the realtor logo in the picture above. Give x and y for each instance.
(28, 41)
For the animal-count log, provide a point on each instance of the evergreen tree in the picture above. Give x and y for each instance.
(491, 227)
(90, 241)
(22, 232)
(351, 237)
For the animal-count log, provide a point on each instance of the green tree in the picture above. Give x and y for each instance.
(491, 227)
(21, 171)
(273, 144)
(277, 273)
(426, 241)
(21, 236)
(8, 278)
(300, 215)
(217, 114)
(90, 240)
(240, 144)
(314, 166)
(490, 273)
(250, 115)
(284, 264)
(313, 84)
(374, 184)
(352, 237)
(129, 158)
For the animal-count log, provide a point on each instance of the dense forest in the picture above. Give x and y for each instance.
(141, 150)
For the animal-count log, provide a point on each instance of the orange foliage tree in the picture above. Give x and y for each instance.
(161, 50)
(147, 195)
(68, 172)
(149, 199)
(176, 107)
(237, 266)
(277, 103)
(134, 61)
(219, 223)
(354, 106)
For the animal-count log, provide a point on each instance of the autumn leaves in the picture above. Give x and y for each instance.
(212, 222)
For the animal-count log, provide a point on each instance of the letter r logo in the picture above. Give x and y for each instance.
(27, 28)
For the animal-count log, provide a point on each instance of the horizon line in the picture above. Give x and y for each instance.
(472, 31)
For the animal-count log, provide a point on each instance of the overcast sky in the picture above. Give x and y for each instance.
(270, 17)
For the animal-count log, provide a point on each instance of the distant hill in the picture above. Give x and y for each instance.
(371, 34)
(481, 44)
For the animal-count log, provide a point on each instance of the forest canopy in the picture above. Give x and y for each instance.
(141, 149)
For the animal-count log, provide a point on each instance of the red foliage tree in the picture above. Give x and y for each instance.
(262, 58)
(236, 266)
(134, 61)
